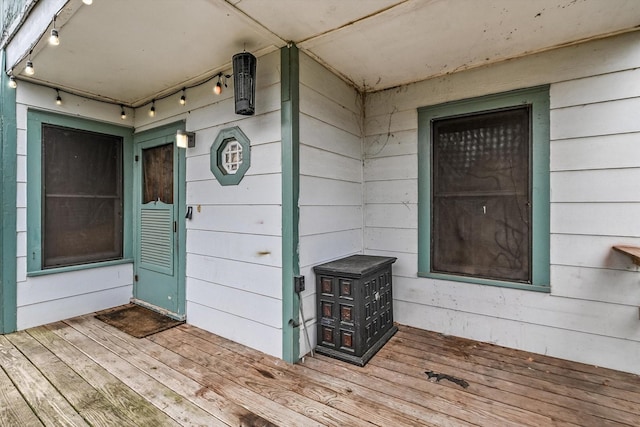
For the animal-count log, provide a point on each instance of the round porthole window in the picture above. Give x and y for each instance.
(230, 156)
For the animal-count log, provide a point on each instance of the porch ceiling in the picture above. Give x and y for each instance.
(132, 51)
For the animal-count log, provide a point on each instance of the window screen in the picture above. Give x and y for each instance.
(480, 195)
(82, 196)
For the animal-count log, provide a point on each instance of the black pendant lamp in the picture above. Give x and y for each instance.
(244, 80)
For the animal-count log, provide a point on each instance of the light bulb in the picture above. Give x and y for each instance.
(29, 70)
(217, 89)
(152, 111)
(54, 40)
(123, 114)
(58, 100)
(13, 83)
(87, 2)
(183, 100)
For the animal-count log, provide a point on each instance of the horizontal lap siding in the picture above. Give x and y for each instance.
(234, 253)
(330, 201)
(595, 190)
(54, 297)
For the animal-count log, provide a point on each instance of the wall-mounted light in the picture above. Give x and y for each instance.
(29, 70)
(244, 75)
(123, 114)
(54, 40)
(13, 83)
(152, 111)
(183, 98)
(58, 98)
(185, 139)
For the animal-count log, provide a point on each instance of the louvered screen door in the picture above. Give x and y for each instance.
(157, 281)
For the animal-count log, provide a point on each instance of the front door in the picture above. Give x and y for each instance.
(159, 258)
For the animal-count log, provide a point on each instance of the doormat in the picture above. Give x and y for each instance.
(137, 321)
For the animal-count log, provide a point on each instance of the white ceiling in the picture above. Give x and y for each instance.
(130, 51)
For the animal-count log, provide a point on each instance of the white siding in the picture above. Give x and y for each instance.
(591, 313)
(330, 176)
(234, 250)
(53, 297)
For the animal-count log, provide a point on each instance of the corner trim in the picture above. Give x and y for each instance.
(290, 127)
(8, 192)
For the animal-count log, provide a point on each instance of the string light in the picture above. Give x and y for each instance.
(29, 70)
(222, 79)
(13, 83)
(54, 40)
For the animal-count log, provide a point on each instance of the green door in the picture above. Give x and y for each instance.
(159, 258)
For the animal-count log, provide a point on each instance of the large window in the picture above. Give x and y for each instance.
(78, 193)
(82, 191)
(484, 203)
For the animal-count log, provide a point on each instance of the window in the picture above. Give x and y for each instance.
(82, 191)
(230, 156)
(484, 190)
(78, 191)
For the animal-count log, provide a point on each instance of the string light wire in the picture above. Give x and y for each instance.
(30, 70)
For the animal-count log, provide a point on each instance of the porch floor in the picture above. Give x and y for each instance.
(84, 372)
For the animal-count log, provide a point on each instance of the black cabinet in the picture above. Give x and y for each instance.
(355, 307)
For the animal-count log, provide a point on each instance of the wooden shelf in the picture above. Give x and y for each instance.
(632, 252)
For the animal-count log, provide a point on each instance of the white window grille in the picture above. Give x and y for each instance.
(232, 157)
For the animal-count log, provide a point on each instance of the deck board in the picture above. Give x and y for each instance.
(199, 389)
(122, 363)
(325, 393)
(122, 399)
(530, 387)
(91, 404)
(45, 400)
(540, 380)
(14, 410)
(84, 372)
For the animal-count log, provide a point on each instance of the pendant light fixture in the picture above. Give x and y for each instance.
(13, 83)
(123, 114)
(183, 98)
(152, 111)
(58, 98)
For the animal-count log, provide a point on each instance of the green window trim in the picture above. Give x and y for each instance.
(225, 137)
(35, 119)
(538, 98)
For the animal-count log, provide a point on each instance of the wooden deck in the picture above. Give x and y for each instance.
(83, 372)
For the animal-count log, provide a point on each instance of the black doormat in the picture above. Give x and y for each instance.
(137, 321)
